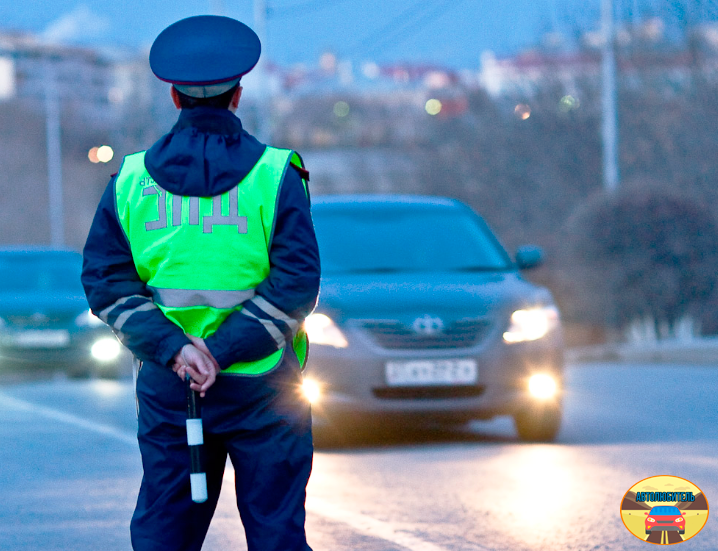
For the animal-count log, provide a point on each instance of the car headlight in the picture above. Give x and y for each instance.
(650, 519)
(312, 390)
(321, 329)
(542, 386)
(106, 349)
(531, 324)
(88, 319)
(679, 519)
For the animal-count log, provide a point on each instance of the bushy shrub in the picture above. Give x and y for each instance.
(644, 252)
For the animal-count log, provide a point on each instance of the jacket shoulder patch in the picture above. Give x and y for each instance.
(303, 172)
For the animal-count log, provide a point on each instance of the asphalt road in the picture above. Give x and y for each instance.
(70, 471)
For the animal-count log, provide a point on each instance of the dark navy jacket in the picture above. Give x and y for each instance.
(206, 153)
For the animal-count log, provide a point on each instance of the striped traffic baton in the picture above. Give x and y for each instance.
(195, 440)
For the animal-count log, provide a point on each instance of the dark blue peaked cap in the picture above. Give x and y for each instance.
(204, 50)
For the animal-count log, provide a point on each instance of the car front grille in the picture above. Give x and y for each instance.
(394, 335)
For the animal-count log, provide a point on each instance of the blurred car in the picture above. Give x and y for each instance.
(423, 316)
(665, 518)
(45, 320)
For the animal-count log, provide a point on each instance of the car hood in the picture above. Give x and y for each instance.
(26, 304)
(458, 295)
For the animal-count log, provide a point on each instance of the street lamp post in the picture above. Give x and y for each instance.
(54, 157)
(263, 102)
(610, 116)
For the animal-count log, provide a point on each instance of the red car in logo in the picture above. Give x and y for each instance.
(665, 518)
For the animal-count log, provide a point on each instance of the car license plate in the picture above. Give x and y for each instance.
(42, 339)
(432, 372)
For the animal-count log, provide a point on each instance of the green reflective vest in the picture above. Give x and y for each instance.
(201, 257)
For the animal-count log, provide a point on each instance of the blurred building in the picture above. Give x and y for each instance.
(80, 75)
(102, 87)
(645, 54)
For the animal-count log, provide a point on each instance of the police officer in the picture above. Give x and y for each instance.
(202, 258)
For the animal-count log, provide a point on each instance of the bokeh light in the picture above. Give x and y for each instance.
(341, 109)
(105, 153)
(433, 107)
(568, 103)
(92, 155)
(522, 111)
(328, 62)
(371, 70)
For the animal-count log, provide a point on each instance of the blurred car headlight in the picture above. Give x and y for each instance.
(88, 319)
(542, 386)
(106, 349)
(531, 324)
(321, 329)
(311, 390)
(650, 519)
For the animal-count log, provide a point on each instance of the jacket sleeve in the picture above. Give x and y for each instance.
(116, 293)
(287, 295)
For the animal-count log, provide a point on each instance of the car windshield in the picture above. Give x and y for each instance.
(406, 239)
(665, 510)
(40, 272)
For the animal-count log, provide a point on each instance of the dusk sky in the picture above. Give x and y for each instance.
(445, 32)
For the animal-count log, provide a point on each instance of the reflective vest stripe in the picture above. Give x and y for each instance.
(105, 314)
(274, 312)
(122, 318)
(271, 328)
(185, 298)
(144, 305)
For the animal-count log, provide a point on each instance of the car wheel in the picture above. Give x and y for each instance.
(538, 423)
(681, 532)
(648, 531)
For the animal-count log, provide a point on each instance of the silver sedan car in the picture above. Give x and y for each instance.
(424, 318)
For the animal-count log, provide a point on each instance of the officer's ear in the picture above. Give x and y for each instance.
(235, 98)
(175, 97)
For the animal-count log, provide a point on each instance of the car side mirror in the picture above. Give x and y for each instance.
(645, 513)
(529, 256)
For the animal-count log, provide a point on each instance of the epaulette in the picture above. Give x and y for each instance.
(303, 172)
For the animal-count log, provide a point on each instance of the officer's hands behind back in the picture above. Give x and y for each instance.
(202, 347)
(200, 365)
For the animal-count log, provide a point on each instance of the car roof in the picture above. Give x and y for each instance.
(332, 202)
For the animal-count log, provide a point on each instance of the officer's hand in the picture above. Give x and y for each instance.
(200, 344)
(200, 368)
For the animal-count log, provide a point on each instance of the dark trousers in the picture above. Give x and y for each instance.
(261, 422)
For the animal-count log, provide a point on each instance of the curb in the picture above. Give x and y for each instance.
(692, 352)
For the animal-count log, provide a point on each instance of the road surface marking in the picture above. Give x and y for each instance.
(372, 527)
(69, 419)
(360, 522)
